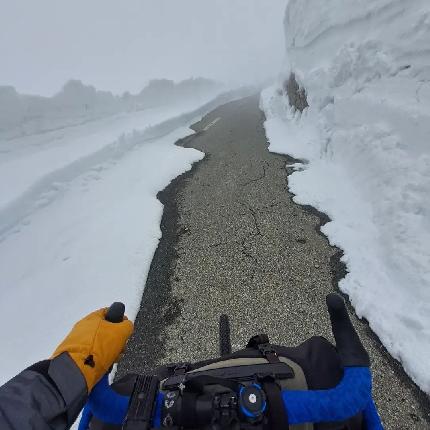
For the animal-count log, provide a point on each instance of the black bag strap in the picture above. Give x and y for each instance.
(262, 343)
(181, 369)
(197, 383)
(278, 416)
(259, 339)
(269, 353)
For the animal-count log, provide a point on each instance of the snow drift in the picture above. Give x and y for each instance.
(363, 66)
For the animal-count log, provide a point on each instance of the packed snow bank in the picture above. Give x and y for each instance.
(76, 104)
(34, 168)
(365, 68)
(79, 222)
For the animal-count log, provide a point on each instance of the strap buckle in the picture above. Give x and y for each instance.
(269, 352)
(181, 369)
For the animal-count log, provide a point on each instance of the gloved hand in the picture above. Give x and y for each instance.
(95, 344)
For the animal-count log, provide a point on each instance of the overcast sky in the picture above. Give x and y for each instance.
(119, 45)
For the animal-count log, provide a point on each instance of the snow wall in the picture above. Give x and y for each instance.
(357, 73)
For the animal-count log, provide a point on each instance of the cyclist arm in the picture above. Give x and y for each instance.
(48, 395)
(51, 393)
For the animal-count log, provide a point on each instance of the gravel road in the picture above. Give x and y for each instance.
(234, 242)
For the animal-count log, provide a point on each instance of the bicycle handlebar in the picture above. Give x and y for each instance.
(352, 395)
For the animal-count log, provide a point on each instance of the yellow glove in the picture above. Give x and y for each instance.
(95, 344)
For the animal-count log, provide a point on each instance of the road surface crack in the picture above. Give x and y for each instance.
(259, 178)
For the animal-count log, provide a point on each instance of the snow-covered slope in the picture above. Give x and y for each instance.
(79, 220)
(365, 66)
(76, 104)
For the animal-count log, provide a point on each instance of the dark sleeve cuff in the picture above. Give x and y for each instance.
(65, 376)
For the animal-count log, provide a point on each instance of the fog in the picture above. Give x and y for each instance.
(120, 45)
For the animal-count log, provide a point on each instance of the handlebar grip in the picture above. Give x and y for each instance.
(115, 313)
(348, 344)
(347, 399)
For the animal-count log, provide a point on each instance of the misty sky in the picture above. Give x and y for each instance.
(119, 45)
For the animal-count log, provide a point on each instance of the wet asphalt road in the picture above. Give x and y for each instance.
(234, 242)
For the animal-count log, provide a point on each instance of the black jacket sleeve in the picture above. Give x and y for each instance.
(47, 396)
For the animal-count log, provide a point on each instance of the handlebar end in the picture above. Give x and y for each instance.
(115, 313)
(348, 344)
